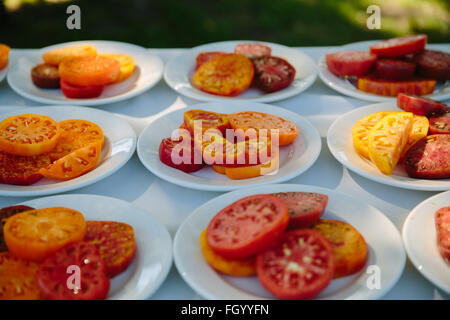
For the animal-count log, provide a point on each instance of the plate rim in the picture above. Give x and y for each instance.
(317, 145)
(167, 266)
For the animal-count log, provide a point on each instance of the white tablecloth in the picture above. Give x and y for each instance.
(171, 203)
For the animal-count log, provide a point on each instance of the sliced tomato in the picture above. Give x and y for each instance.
(393, 88)
(305, 208)
(238, 268)
(54, 272)
(181, 153)
(4, 54)
(273, 73)
(56, 56)
(17, 278)
(349, 246)
(247, 226)
(433, 64)
(28, 134)
(6, 213)
(126, 63)
(253, 50)
(391, 69)
(80, 92)
(22, 171)
(421, 106)
(115, 242)
(442, 221)
(207, 119)
(203, 57)
(45, 76)
(36, 234)
(224, 75)
(429, 158)
(419, 129)
(74, 164)
(440, 124)
(397, 47)
(298, 266)
(350, 63)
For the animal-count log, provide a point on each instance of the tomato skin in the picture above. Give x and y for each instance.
(283, 268)
(429, 158)
(45, 76)
(209, 120)
(53, 273)
(80, 92)
(421, 106)
(442, 222)
(165, 155)
(305, 208)
(273, 73)
(433, 64)
(440, 124)
(22, 171)
(350, 63)
(397, 47)
(391, 69)
(393, 88)
(228, 232)
(203, 57)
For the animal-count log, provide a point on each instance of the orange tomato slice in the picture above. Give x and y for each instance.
(4, 54)
(76, 134)
(74, 164)
(126, 64)
(35, 234)
(56, 56)
(17, 278)
(28, 134)
(392, 88)
(245, 120)
(89, 71)
(237, 268)
(225, 75)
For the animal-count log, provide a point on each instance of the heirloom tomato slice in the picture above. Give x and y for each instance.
(207, 119)
(203, 57)
(397, 47)
(22, 171)
(28, 134)
(6, 213)
(4, 54)
(392, 88)
(421, 106)
(440, 124)
(126, 64)
(442, 221)
(56, 56)
(419, 129)
(80, 92)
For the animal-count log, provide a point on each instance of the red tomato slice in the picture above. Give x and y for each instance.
(273, 73)
(442, 220)
(203, 57)
(20, 170)
(433, 64)
(305, 208)
(253, 50)
(247, 226)
(350, 63)
(80, 92)
(209, 120)
(440, 124)
(299, 266)
(392, 88)
(169, 147)
(421, 106)
(397, 47)
(391, 69)
(52, 276)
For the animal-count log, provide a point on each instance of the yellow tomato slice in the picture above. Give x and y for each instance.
(388, 138)
(126, 64)
(56, 56)
(419, 129)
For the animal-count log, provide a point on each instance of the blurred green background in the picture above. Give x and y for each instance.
(183, 23)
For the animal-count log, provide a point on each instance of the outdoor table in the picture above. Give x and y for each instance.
(171, 204)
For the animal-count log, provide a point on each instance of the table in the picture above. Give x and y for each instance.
(171, 204)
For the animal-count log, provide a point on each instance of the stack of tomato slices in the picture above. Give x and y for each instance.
(283, 240)
(240, 145)
(54, 253)
(230, 74)
(35, 146)
(80, 71)
(418, 137)
(398, 65)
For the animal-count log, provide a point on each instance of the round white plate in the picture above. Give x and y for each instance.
(147, 73)
(295, 158)
(180, 69)
(153, 258)
(340, 143)
(120, 143)
(3, 73)
(419, 238)
(386, 254)
(441, 92)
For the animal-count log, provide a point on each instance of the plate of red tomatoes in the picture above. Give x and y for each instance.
(379, 70)
(240, 70)
(87, 247)
(288, 242)
(85, 73)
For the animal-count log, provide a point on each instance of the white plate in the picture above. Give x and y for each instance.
(153, 258)
(3, 73)
(419, 238)
(120, 143)
(180, 69)
(148, 72)
(441, 92)
(383, 241)
(340, 143)
(295, 158)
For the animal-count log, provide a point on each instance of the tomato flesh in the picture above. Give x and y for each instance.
(208, 119)
(45, 76)
(421, 106)
(170, 147)
(397, 47)
(6, 213)
(392, 88)
(350, 63)
(273, 73)
(22, 171)
(442, 221)
(203, 57)
(80, 92)
(440, 124)
(391, 69)
(433, 64)
(253, 50)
